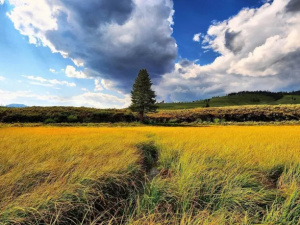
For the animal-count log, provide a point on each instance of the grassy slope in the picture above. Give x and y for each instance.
(245, 99)
(209, 175)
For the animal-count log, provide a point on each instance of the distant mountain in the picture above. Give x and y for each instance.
(16, 106)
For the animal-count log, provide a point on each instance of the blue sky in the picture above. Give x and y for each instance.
(196, 16)
(51, 53)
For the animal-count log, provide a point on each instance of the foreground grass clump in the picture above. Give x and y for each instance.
(202, 175)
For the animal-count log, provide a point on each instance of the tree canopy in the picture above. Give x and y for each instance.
(142, 96)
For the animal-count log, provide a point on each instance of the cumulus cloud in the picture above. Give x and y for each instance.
(88, 99)
(195, 82)
(196, 37)
(72, 72)
(112, 39)
(1, 2)
(259, 50)
(48, 83)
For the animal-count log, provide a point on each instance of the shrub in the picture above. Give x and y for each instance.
(49, 120)
(173, 121)
(216, 120)
(72, 119)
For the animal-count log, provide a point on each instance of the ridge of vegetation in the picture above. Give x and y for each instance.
(82, 115)
(238, 99)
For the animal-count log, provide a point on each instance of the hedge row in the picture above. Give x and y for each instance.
(235, 114)
(91, 115)
(64, 115)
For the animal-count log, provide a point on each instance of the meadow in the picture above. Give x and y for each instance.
(150, 175)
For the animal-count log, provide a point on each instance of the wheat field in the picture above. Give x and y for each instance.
(202, 175)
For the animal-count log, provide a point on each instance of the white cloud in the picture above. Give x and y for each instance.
(256, 40)
(259, 50)
(2, 78)
(25, 97)
(48, 83)
(99, 100)
(107, 84)
(1, 2)
(33, 19)
(53, 70)
(194, 82)
(89, 99)
(196, 37)
(98, 85)
(72, 72)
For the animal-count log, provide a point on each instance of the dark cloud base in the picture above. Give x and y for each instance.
(293, 6)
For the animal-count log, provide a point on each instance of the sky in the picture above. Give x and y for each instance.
(88, 53)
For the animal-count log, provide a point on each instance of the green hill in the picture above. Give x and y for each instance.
(236, 99)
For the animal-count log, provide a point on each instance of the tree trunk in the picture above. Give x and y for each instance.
(141, 114)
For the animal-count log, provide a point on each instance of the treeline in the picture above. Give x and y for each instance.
(64, 115)
(262, 113)
(275, 95)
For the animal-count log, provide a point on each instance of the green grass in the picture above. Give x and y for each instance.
(236, 100)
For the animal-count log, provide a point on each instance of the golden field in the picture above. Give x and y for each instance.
(203, 175)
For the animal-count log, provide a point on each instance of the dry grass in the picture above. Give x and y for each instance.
(226, 175)
(207, 175)
(41, 166)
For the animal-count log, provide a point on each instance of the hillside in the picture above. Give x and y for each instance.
(236, 99)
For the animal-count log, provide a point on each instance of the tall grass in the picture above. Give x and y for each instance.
(206, 175)
(46, 173)
(224, 175)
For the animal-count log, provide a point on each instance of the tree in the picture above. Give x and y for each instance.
(142, 96)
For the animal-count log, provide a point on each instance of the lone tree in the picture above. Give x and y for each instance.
(142, 96)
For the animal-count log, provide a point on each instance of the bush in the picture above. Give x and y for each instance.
(72, 119)
(216, 120)
(173, 121)
(49, 120)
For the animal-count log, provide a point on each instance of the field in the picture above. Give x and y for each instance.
(150, 175)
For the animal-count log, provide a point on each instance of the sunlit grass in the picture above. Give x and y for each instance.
(207, 175)
(49, 165)
(224, 175)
